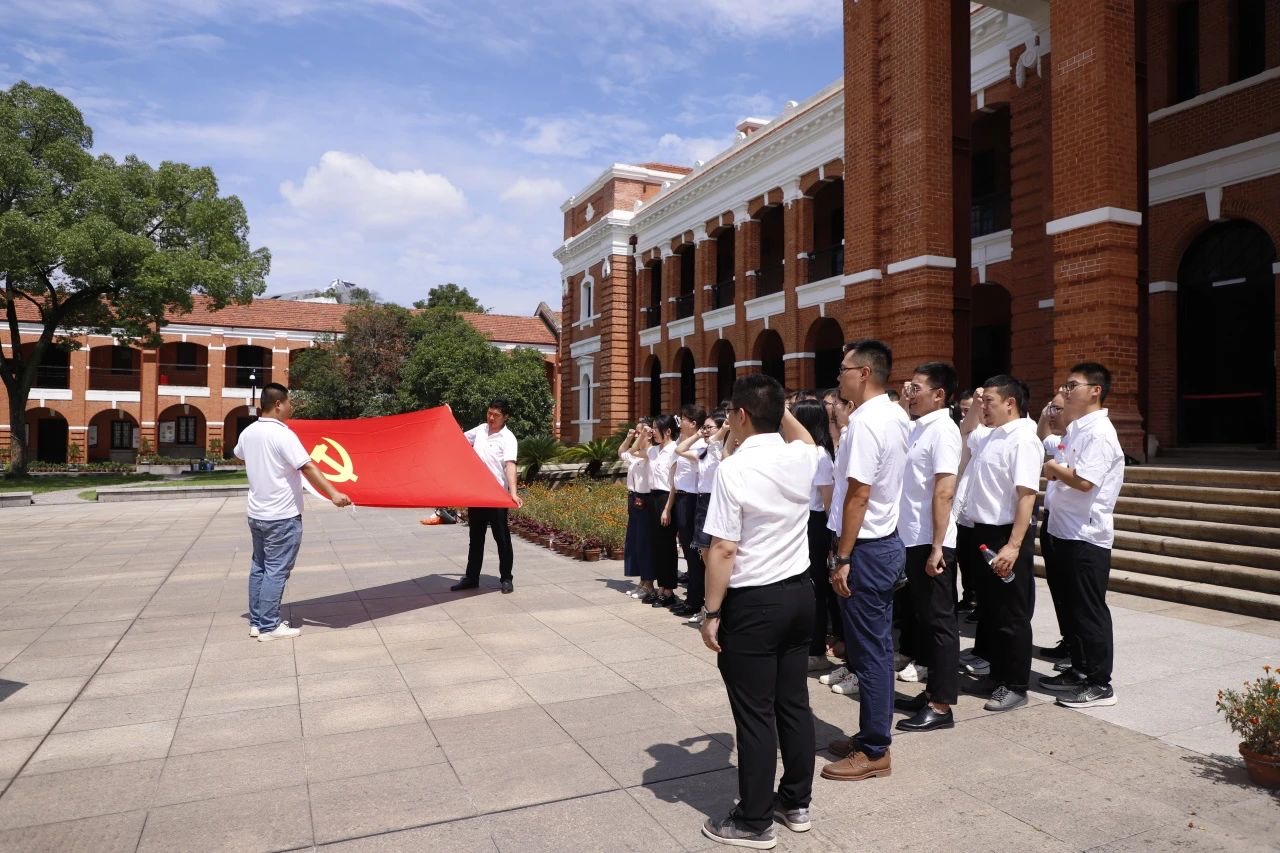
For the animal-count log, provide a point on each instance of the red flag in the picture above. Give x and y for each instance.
(419, 459)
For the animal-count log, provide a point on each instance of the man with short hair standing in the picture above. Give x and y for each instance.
(496, 447)
(928, 531)
(759, 610)
(870, 558)
(1081, 533)
(276, 462)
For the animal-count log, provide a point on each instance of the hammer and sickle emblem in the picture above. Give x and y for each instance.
(341, 467)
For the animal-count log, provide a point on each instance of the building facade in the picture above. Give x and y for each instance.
(1012, 187)
(191, 396)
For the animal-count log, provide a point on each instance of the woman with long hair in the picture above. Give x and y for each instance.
(637, 560)
(813, 416)
(662, 463)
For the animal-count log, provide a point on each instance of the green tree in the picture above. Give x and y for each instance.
(453, 297)
(103, 245)
(357, 375)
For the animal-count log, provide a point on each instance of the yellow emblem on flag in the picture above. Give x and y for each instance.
(341, 467)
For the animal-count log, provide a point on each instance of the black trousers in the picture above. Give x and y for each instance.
(904, 621)
(1004, 627)
(665, 567)
(479, 520)
(1055, 575)
(933, 600)
(826, 608)
(764, 645)
(1086, 569)
(685, 517)
(701, 539)
(971, 565)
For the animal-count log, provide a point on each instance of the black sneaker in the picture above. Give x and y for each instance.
(729, 831)
(1057, 652)
(685, 609)
(1068, 682)
(683, 578)
(1089, 696)
(1062, 665)
(507, 587)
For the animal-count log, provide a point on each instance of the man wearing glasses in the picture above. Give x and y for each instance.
(1081, 533)
(1052, 425)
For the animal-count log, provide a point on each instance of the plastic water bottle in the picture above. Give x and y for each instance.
(990, 557)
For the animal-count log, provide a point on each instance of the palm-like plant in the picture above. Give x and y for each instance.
(536, 451)
(595, 453)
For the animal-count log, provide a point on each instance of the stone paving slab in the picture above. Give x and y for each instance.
(136, 713)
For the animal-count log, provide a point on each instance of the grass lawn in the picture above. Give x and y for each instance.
(56, 482)
(214, 478)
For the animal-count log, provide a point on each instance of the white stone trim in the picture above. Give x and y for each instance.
(584, 347)
(1162, 287)
(1097, 216)
(706, 370)
(873, 274)
(1214, 94)
(990, 249)
(681, 328)
(619, 170)
(585, 321)
(921, 261)
(182, 391)
(638, 379)
(820, 292)
(93, 396)
(1045, 303)
(748, 363)
(245, 394)
(1235, 164)
(763, 307)
(1275, 268)
(611, 235)
(669, 376)
(792, 356)
(49, 394)
(719, 318)
(651, 336)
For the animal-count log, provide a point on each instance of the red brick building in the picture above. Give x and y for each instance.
(1013, 187)
(201, 385)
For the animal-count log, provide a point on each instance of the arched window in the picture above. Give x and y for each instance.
(586, 299)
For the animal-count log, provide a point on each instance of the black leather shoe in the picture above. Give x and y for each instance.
(682, 578)
(665, 601)
(1057, 652)
(464, 584)
(507, 587)
(915, 703)
(649, 598)
(926, 720)
(1068, 681)
(685, 610)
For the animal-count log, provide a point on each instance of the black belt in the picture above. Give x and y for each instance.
(861, 541)
(794, 579)
(683, 492)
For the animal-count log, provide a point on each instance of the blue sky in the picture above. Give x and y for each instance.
(403, 143)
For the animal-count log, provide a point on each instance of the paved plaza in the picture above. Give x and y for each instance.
(135, 712)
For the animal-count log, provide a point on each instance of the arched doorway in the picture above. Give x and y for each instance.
(47, 436)
(1226, 337)
(180, 432)
(688, 383)
(113, 437)
(826, 342)
(723, 358)
(234, 423)
(769, 351)
(992, 319)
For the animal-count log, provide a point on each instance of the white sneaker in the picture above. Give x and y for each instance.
(912, 673)
(253, 630)
(818, 662)
(976, 666)
(835, 676)
(899, 661)
(847, 686)
(695, 619)
(282, 632)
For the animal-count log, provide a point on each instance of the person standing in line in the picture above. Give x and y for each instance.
(1082, 531)
(637, 562)
(812, 415)
(972, 567)
(662, 463)
(870, 557)
(1049, 430)
(682, 504)
(275, 462)
(714, 431)
(928, 530)
(496, 447)
(841, 680)
(759, 613)
(1004, 475)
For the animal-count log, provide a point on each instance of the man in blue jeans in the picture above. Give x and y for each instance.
(276, 462)
(869, 557)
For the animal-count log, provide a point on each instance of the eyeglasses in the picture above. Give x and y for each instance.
(912, 389)
(1068, 387)
(854, 367)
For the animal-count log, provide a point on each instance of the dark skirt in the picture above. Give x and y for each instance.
(638, 546)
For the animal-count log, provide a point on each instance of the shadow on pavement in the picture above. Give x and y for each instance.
(344, 609)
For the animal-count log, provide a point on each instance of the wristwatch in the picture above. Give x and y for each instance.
(842, 561)
(710, 614)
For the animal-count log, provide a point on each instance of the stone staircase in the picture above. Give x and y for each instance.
(1203, 536)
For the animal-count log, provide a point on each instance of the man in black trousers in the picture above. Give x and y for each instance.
(496, 447)
(759, 610)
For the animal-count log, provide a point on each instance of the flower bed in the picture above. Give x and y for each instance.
(581, 519)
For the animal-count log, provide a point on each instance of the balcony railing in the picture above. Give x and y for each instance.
(650, 316)
(826, 263)
(196, 375)
(114, 378)
(769, 279)
(53, 376)
(684, 305)
(244, 377)
(989, 214)
(722, 293)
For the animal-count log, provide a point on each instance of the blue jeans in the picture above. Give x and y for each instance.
(275, 548)
(868, 636)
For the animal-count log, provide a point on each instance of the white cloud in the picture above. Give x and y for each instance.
(684, 151)
(378, 203)
(535, 191)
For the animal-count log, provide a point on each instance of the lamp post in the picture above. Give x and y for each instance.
(253, 392)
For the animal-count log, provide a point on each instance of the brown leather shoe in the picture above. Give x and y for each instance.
(858, 766)
(841, 747)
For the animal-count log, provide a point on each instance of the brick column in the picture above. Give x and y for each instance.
(670, 283)
(149, 405)
(641, 300)
(746, 256)
(864, 168)
(797, 242)
(614, 365)
(704, 259)
(1095, 200)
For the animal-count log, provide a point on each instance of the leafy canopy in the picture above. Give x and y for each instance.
(453, 297)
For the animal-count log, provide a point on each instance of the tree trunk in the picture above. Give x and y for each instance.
(18, 434)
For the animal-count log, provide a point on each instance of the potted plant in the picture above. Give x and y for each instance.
(215, 449)
(1254, 714)
(74, 454)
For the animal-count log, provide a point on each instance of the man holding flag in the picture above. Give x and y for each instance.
(496, 447)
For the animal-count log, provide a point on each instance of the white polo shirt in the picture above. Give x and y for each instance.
(273, 456)
(637, 474)
(687, 471)
(761, 501)
(933, 448)
(835, 515)
(660, 461)
(824, 476)
(1092, 450)
(495, 449)
(1053, 448)
(708, 464)
(878, 456)
(958, 509)
(1006, 458)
